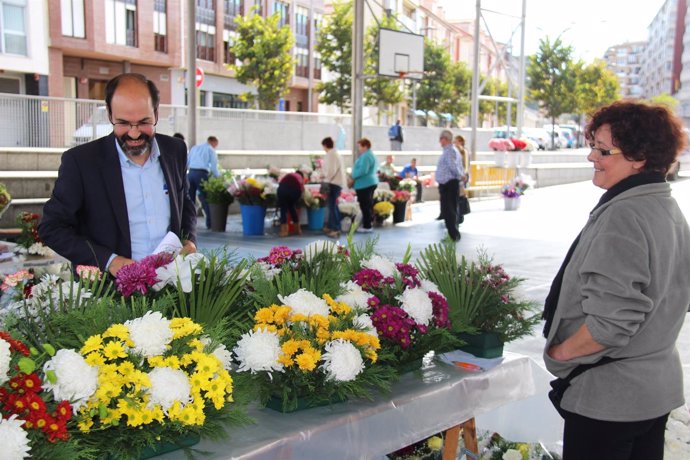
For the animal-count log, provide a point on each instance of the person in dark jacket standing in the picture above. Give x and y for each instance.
(290, 189)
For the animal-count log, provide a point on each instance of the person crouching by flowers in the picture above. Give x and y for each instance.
(290, 189)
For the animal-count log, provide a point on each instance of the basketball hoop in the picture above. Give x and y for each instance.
(402, 75)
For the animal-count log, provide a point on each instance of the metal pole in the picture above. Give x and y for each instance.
(521, 77)
(191, 73)
(475, 83)
(357, 74)
(310, 64)
(414, 102)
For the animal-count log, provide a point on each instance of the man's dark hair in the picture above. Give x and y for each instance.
(179, 135)
(212, 139)
(115, 82)
(327, 142)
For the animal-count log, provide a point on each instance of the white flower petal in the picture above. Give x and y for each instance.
(151, 334)
(76, 380)
(13, 439)
(417, 304)
(342, 361)
(382, 264)
(169, 385)
(306, 303)
(259, 351)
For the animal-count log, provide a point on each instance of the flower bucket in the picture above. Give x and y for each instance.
(513, 159)
(525, 159)
(252, 219)
(511, 204)
(219, 216)
(500, 158)
(482, 345)
(399, 212)
(276, 403)
(316, 218)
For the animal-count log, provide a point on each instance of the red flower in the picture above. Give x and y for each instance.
(63, 411)
(34, 403)
(15, 345)
(31, 383)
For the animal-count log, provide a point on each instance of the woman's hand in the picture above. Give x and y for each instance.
(581, 343)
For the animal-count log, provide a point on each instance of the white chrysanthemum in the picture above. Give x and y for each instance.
(429, 286)
(268, 270)
(76, 380)
(181, 268)
(305, 303)
(5, 356)
(46, 286)
(382, 264)
(224, 356)
(168, 385)
(40, 249)
(314, 248)
(13, 439)
(258, 351)
(354, 295)
(364, 321)
(417, 304)
(342, 361)
(151, 334)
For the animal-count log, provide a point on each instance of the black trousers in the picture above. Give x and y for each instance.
(448, 194)
(585, 438)
(287, 202)
(365, 198)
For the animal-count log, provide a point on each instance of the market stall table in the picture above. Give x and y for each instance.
(436, 398)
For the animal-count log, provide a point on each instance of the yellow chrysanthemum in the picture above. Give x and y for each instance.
(95, 359)
(306, 362)
(196, 345)
(297, 317)
(118, 331)
(182, 327)
(340, 308)
(290, 347)
(93, 343)
(208, 363)
(114, 350)
(285, 360)
(85, 424)
(264, 315)
(281, 314)
(371, 354)
(267, 327)
(253, 182)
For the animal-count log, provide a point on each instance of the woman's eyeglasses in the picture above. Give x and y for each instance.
(605, 152)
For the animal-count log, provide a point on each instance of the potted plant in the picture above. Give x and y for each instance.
(28, 239)
(382, 211)
(255, 194)
(512, 192)
(482, 305)
(219, 198)
(5, 199)
(400, 199)
(315, 203)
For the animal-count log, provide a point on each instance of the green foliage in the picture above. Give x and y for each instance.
(264, 50)
(665, 99)
(335, 47)
(553, 78)
(460, 78)
(435, 88)
(216, 188)
(597, 86)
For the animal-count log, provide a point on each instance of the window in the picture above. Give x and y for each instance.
(232, 9)
(228, 41)
(206, 12)
(121, 22)
(283, 11)
(229, 101)
(160, 31)
(317, 67)
(318, 21)
(12, 27)
(302, 62)
(206, 30)
(302, 27)
(256, 7)
(72, 14)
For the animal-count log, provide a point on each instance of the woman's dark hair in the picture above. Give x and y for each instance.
(364, 142)
(642, 131)
(327, 142)
(137, 77)
(179, 135)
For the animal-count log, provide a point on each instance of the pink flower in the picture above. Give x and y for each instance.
(14, 279)
(141, 275)
(88, 272)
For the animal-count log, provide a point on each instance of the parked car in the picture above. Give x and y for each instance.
(538, 136)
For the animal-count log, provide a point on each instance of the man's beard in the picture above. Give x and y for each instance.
(135, 151)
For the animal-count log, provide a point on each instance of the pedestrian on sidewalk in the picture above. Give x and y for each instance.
(622, 293)
(395, 135)
(202, 161)
(448, 174)
(290, 190)
(364, 181)
(334, 172)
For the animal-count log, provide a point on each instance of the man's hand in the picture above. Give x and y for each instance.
(117, 263)
(188, 247)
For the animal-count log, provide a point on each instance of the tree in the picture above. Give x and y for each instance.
(378, 90)
(460, 78)
(265, 52)
(434, 90)
(335, 48)
(596, 86)
(553, 79)
(665, 99)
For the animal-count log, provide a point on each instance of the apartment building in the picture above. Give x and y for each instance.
(23, 47)
(656, 73)
(625, 61)
(90, 42)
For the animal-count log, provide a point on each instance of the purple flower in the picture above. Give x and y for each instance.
(440, 306)
(141, 275)
(394, 324)
(368, 278)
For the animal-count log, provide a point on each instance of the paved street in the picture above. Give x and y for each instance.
(530, 242)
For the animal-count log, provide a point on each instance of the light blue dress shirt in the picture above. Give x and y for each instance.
(148, 203)
(449, 165)
(203, 156)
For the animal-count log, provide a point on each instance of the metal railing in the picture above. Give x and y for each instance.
(36, 121)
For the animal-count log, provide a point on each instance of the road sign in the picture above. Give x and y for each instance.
(199, 76)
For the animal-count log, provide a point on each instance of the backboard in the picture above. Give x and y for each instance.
(401, 54)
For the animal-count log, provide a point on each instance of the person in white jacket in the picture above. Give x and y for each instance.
(334, 176)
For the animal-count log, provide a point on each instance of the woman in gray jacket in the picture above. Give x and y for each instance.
(622, 293)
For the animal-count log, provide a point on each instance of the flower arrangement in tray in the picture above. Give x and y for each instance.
(5, 198)
(313, 199)
(28, 238)
(254, 191)
(310, 351)
(515, 188)
(409, 313)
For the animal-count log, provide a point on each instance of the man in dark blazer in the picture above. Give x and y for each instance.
(105, 209)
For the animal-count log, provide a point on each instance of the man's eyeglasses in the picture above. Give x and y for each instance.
(141, 126)
(605, 152)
